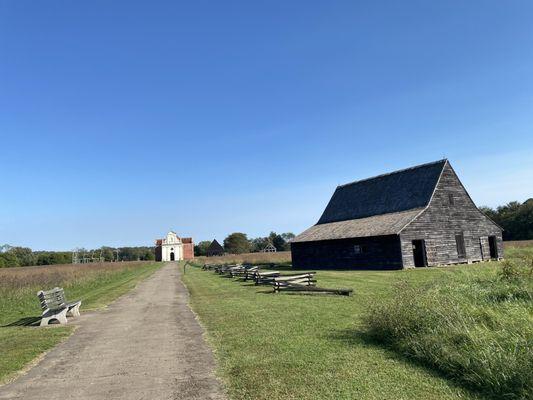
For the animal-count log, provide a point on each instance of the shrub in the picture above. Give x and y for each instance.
(517, 270)
(458, 328)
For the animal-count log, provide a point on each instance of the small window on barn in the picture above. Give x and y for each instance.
(460, 242)
(357, 249)
(451, 200)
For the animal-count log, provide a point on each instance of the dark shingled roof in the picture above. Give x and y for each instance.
(398, 191)
(377, 206)
(377, 225)
(215, 247)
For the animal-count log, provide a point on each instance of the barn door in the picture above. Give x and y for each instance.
(419, 253)
(493, 247)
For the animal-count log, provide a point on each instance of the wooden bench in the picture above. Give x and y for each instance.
(55, 306)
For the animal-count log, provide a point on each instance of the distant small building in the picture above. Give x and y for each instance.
(174, 248)
(215, 249)
(416, 217)
(269, 248)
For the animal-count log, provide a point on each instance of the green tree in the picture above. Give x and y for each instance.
(148, 255)
(277, 241)
(288, 236)
(107, 253)
(237, 243)
(515, 218)
(201, 248)
(8, 260)
(4, 248)
(259, 244)
(24, 255)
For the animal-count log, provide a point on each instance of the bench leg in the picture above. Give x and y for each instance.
(61, 317)
(74, 311)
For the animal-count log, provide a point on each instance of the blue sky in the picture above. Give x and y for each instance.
(121, 120)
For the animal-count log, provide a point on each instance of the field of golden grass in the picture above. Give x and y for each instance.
(45, 276)
(518, 243)
(252, 258)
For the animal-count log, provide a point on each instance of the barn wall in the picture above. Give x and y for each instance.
(440, 222)
(381, 252)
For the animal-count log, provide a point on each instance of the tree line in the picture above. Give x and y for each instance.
(238, 243)
(16, 256)
(515, 218)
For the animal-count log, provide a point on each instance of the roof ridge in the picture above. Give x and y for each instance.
(393, 172)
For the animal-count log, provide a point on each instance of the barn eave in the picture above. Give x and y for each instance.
(377, 225)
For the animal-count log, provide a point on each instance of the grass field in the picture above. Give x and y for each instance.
(95, 284)
(283, 346)
(252, 258)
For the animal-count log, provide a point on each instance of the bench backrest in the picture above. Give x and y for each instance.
(53, 299)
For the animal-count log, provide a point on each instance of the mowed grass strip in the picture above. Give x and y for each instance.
(294, 346)
(95, 284)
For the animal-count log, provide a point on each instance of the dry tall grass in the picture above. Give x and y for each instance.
(252, 258)
(518, 243)
(59, 274)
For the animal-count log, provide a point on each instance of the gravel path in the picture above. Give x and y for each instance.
(146, 345)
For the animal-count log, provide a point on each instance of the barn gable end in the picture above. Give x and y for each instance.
(450, 212)
(215, 249)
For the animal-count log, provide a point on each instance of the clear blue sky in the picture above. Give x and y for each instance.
(120, 120)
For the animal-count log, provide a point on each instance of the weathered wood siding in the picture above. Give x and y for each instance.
(441, 221)
(381, 252)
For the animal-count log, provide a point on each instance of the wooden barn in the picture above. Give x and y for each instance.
(215, 249)
(416, 217)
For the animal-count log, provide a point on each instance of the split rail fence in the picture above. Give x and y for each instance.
(287, 282)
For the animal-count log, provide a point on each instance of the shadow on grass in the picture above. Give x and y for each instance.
(26, 321)
(355, 337)
(300, 293)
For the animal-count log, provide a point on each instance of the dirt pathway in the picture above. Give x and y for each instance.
(146, 345)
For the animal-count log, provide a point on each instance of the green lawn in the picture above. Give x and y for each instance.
(293, 346)
(21, 344)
